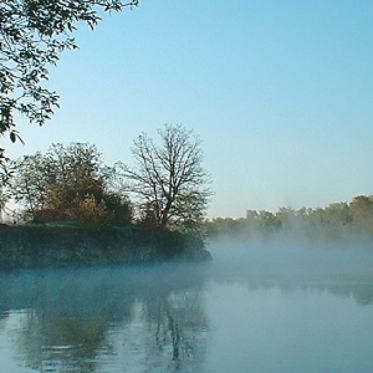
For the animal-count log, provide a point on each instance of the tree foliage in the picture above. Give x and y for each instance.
(169, 179)
(33, 33)
(69, 183)
(29, 184)
(336, 221)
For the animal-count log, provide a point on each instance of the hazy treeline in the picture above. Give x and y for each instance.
(336, 221)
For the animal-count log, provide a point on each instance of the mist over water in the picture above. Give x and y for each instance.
(260, 305)
(298, 305)
(290, 256)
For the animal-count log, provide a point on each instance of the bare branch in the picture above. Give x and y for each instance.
(169, 178)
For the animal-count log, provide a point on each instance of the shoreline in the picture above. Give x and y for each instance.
(34, 247)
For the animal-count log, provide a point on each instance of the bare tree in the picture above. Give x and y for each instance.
(169, 179)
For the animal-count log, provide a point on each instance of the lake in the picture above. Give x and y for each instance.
(253, 309)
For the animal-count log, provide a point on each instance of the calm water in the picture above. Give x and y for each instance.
(275, 310)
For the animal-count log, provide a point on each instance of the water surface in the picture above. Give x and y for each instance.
(256, 311)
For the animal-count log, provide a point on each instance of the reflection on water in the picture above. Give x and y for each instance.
(97, 320)
(239, 315)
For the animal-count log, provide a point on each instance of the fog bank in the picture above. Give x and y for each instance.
(291, 257)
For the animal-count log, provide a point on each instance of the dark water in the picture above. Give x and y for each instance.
(273, 310)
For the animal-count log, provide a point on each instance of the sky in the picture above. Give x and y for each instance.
(280, 92)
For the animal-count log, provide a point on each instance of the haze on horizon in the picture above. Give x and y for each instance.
(280, 93)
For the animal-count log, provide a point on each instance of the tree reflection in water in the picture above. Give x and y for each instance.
(98, 320)
(180, 325)
(153, 318)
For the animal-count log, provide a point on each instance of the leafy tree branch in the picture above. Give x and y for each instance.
(33, 34)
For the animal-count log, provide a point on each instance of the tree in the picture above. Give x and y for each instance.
(4, 178)
(33, 33)
(361, 208)
(76, 171)
(69, 183)
(169, 179)
(29, 184)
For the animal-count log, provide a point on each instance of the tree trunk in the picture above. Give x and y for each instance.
(165, 213)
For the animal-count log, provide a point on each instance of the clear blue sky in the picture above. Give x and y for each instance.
(281, 93)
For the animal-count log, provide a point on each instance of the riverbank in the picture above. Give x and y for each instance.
(40, 246)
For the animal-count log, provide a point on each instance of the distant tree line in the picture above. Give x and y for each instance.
(336, 221)
(168, 188)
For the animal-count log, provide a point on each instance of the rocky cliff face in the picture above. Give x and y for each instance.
(40, 246)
